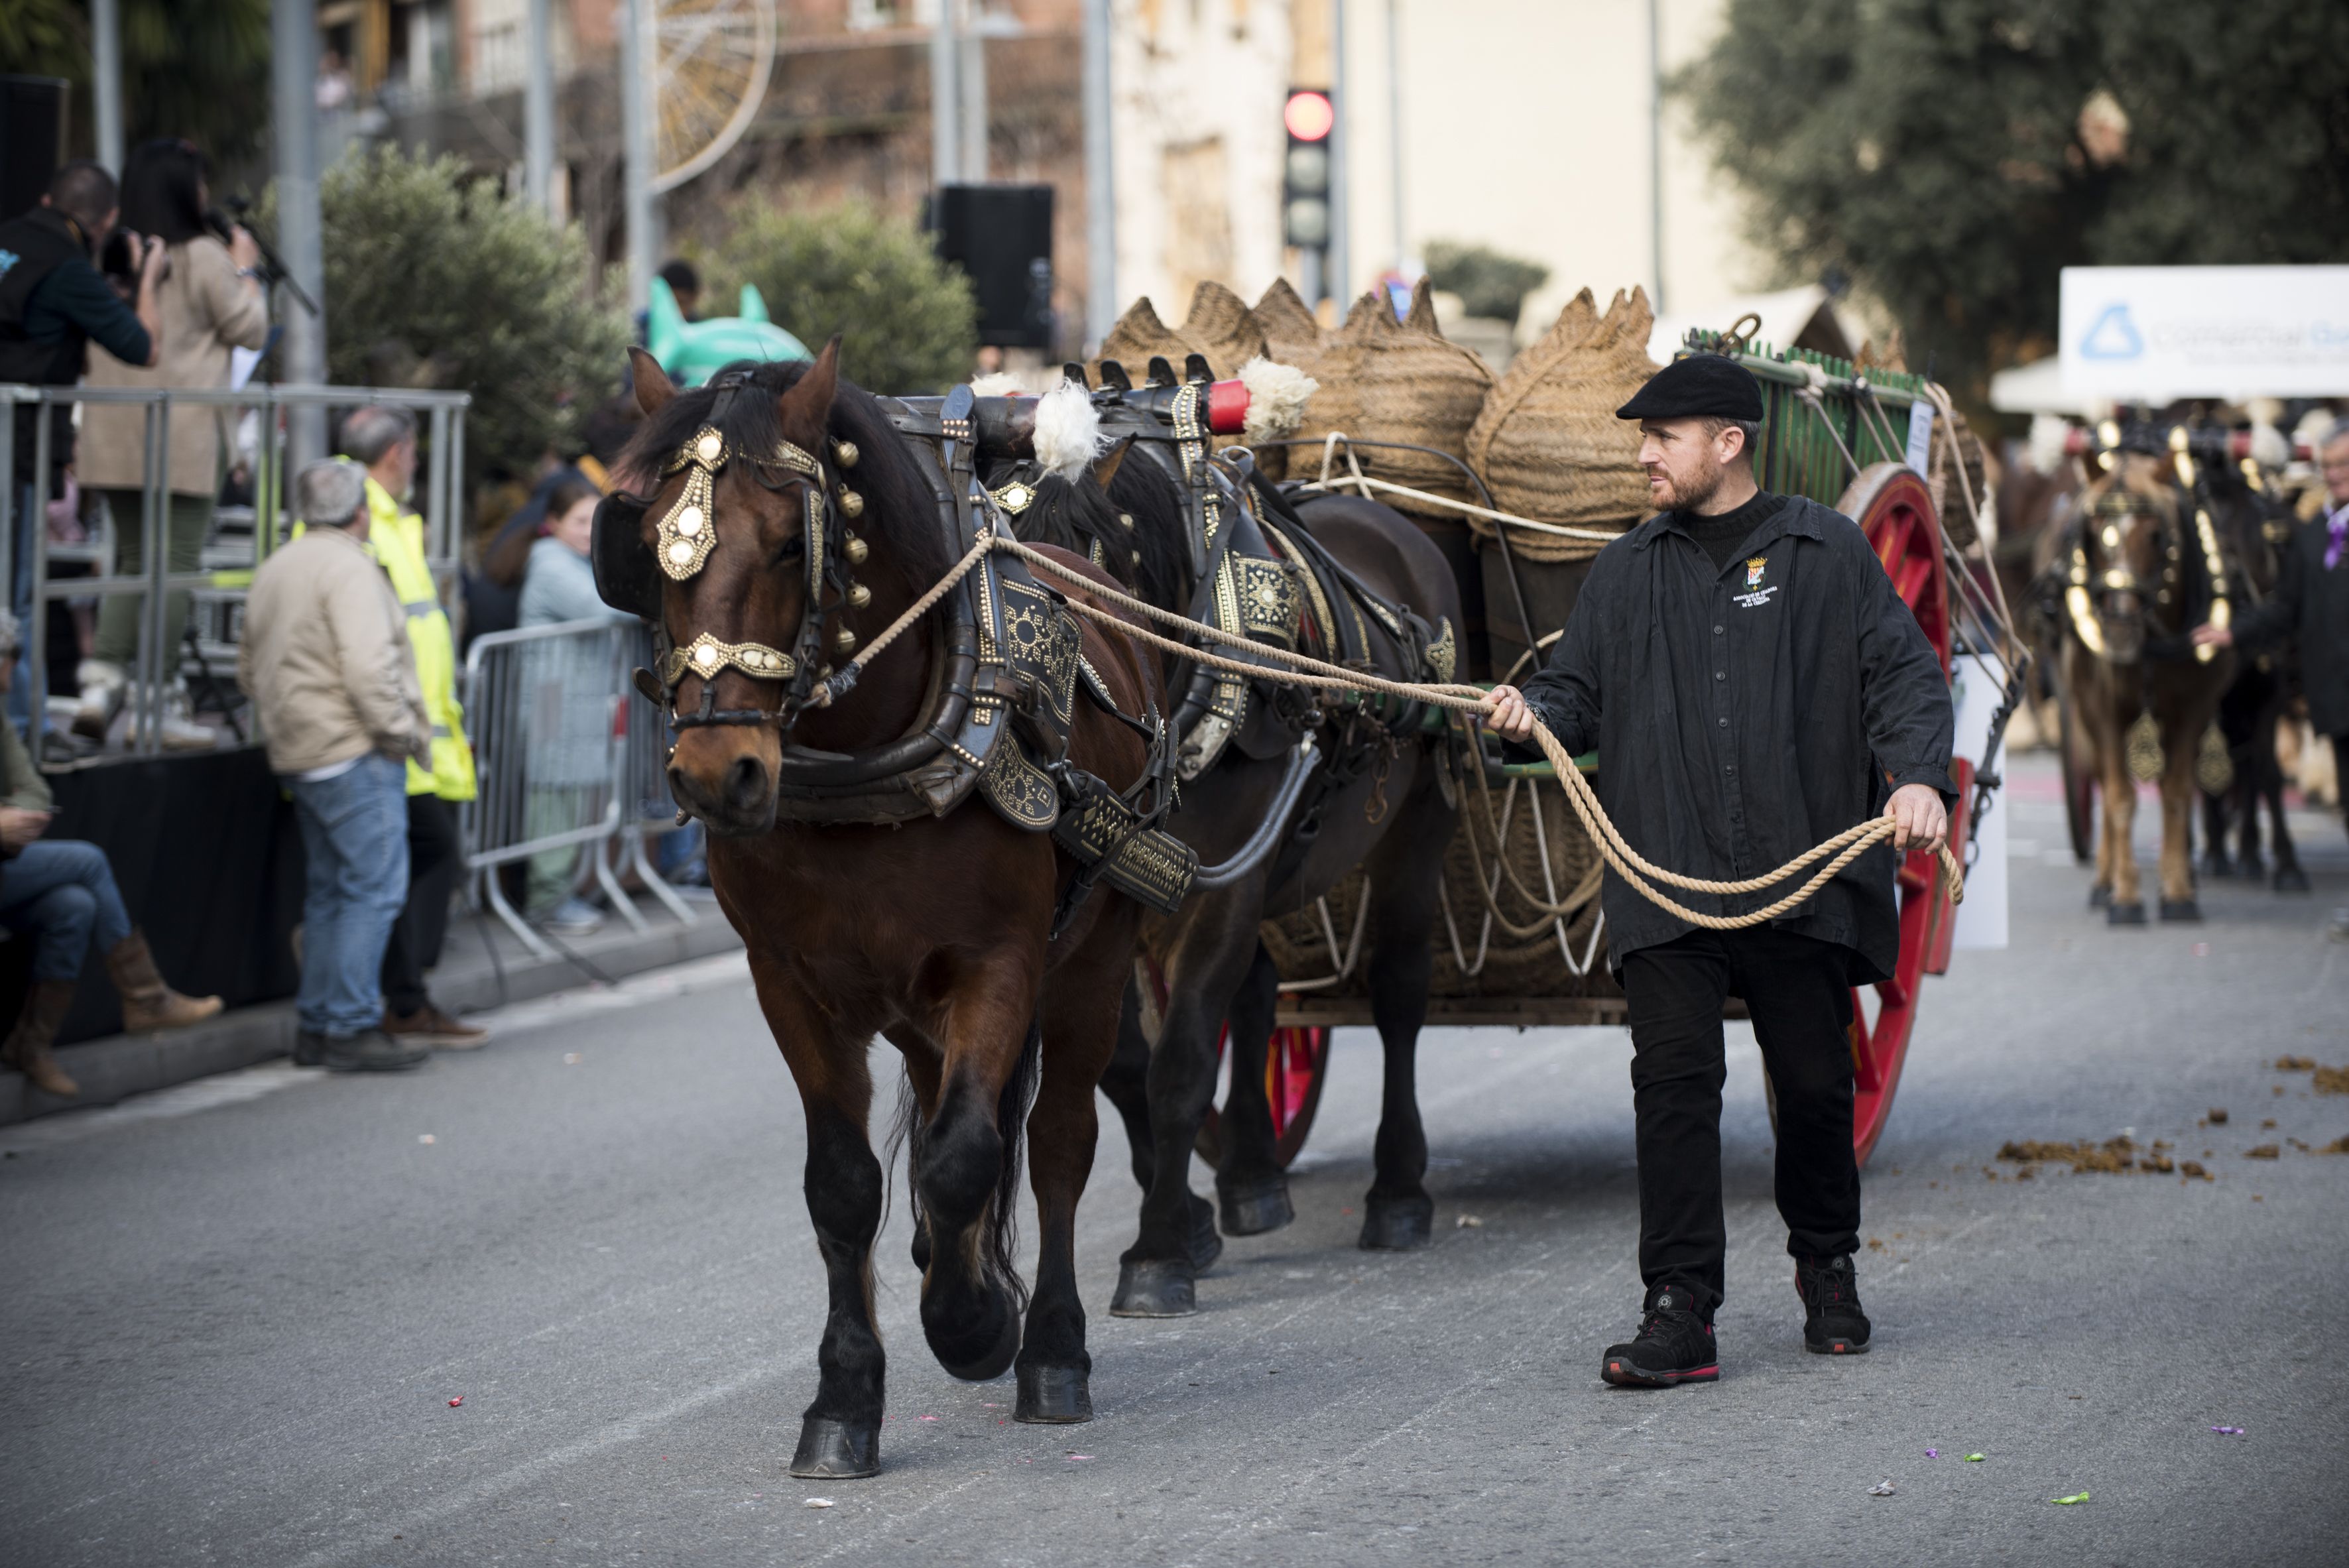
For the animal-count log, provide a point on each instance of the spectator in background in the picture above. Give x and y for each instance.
(53, 301)
(493, 594)
(211, 302)
(384, 439)
(685, 285)
(60, 893)
(570, 767)
(326, 660)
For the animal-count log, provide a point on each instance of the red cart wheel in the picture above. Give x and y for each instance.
(1296, 1063)
(1893, 508)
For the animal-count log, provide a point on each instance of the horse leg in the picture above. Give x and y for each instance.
(2288, 877)
(2182, 728)
(1157, 1275)
(1080, 1009)
(1407, 869)
(1126, 1082)
(2216, 809)
(839, 1433)
(1250, 1186)
(969, 1155)
(2117, 855)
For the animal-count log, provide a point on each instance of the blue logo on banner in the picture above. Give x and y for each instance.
(2113, 337)
(7, 259)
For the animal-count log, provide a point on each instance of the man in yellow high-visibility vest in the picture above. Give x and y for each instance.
(383, 441)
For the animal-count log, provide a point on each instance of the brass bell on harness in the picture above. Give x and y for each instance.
(844, 453)
(851, 503)
(856, 549)
(859, 595)
(844, 640)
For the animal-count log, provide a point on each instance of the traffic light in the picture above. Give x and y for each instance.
(1310, 118)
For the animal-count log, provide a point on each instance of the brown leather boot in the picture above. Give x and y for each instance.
(147, 1002)
(27, 1046)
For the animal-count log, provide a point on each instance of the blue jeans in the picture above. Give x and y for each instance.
(355, 835)
(62, 890)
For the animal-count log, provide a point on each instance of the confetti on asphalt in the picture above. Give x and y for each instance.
(2068, 1502)
(1881, 1489)
(571, 1059)
(817, 1502)
(426, 1137)
(1932, 1453)
(1467, 1222)
(457, 1401)
(1976, 1458)
(2230, 1431)
(926, 1417)
(1074, 1458)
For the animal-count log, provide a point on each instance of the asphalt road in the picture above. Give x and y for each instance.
(237, 1314)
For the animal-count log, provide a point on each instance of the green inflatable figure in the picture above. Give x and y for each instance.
(694, 351)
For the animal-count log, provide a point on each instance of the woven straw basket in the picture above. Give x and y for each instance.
(1548, 441)
(1220, 327)
(1385, 380)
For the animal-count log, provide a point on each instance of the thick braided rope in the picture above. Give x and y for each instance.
(1635, 868)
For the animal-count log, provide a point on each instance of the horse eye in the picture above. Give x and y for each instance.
(791, 549)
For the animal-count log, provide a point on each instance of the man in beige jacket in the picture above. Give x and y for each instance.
(327, 661)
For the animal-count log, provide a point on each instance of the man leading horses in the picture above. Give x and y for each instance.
(1753, 685)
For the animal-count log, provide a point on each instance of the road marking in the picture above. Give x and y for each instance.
(181, 1100)
(253, 1083)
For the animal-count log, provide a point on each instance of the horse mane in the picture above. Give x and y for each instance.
(1142, 489)
(1076, 515)
(901, 513)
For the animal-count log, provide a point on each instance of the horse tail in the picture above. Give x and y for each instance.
(905, 1133)
(1011, 1127)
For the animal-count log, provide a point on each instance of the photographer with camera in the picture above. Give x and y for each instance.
(53, 303)
(211, 301)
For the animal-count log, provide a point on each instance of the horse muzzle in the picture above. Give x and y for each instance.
(728, 785)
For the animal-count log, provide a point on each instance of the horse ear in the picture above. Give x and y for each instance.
(1105, 466)
(808, 404)
(654, 388)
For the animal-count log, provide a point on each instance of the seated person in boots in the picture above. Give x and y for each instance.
(59, 894)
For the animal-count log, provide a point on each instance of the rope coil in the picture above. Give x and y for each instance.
(1637, 872)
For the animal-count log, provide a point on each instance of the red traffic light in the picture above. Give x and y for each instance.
(1309, 116)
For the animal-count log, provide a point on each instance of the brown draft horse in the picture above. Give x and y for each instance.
(933, 934)
(1376, 802)
(2137, 579)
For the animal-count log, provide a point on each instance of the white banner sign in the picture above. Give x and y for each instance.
(2151, 335)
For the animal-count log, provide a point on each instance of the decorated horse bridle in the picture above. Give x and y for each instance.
(2084, 590)
(687, 533)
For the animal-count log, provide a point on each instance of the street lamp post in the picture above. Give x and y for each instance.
(1100, 181)
(292, 70)
(636, 136)
(538, 108)
(106, 84)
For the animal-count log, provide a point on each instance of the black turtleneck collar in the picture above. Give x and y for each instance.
(1721, 534)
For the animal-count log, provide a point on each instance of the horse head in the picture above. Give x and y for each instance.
(2124, 586)
(742, 546)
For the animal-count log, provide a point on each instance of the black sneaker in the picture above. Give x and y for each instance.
(372, 1051)
(1675, 1345)
(309, 1048)
(1833, 1324)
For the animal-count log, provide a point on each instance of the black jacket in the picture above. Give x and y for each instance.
(2311, 604)
(1743, 715)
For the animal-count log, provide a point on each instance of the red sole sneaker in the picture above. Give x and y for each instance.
(1836, 1345)
(1625, 1373)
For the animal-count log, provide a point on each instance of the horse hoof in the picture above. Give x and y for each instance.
(1397, 1224)
(2124, 915)
(1252, 1208)
(1053, 1396)
(836, 1450)
(1206, 1241)
(1153, 1287)
(2100, 897)
(2180, 909)
(997, 1359)
(2218, 865)
(2250, 867)
(2290, 879)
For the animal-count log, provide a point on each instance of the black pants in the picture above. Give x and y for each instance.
(1795, 989)
(435, 857)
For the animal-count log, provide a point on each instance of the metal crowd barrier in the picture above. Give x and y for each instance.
(441, 436)
(564, 763)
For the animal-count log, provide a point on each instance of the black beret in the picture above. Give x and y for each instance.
(1703, 385)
